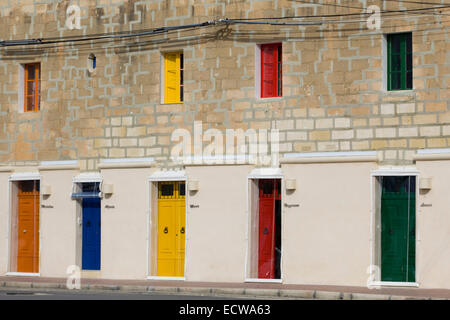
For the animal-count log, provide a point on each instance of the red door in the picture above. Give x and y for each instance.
(269, 192)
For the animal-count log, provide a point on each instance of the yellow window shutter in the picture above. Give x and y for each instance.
(172, 77)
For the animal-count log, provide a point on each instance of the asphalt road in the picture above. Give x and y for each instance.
(34, 294)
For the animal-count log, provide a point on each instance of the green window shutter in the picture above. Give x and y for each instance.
(400, 61)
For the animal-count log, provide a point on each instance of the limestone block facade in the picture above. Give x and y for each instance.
(334, 96)
(103, 117)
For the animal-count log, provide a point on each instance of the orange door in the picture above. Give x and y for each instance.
(28, 227)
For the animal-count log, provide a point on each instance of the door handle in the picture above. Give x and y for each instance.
(166, 230)
(24, 231)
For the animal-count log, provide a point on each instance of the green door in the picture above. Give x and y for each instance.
(398, 229)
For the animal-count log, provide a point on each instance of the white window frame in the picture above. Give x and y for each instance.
(85, 177)
(384, 52)
(21, 87)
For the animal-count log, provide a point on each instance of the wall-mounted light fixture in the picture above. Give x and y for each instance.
(193, 185)
(291, 184)
(108, 189)
(425, 183)
(92, 63)
(46, 190)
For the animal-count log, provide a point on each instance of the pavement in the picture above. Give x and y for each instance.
(237, 290)
(64, 294)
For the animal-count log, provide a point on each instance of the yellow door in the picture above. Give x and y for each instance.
(171, 229)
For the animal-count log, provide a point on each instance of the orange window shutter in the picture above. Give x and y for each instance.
(25, 76)
(32, 86)
(38, 88)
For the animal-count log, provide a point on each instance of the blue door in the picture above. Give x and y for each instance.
(91, 234)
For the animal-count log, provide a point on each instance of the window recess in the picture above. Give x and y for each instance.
(174, 77)
(32, 87)
(271, 70)
(399, 61)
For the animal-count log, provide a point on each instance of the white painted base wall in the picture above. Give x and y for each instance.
(326, 239)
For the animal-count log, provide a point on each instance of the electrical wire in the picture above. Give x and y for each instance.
(416, 2)
(108, 36)
(360, 8)
(417, 10)
(363, 9)
(160, 30)
(234, 36)
(122, 35)
(273, 23)
(388, 18)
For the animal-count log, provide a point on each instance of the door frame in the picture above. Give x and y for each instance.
(168, 176)
(86, 177)
(14, 178)
(258, 174)
(83, 233)
(374, 233)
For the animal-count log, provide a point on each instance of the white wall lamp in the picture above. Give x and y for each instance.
(46, 190)
(108, 189)
(425, 184)
(291, 184)
(193, 185)
(92, 63)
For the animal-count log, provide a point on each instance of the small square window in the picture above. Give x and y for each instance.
(93, 187)
(167, 190)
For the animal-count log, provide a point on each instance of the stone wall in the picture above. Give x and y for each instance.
(333, 93)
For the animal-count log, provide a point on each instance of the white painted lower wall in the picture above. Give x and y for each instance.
(216, 230)
(326, 239)
(58, 224)
(124, 224)
(4, 221)
(433, 223)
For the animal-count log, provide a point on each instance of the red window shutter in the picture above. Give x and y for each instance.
(269, 70)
